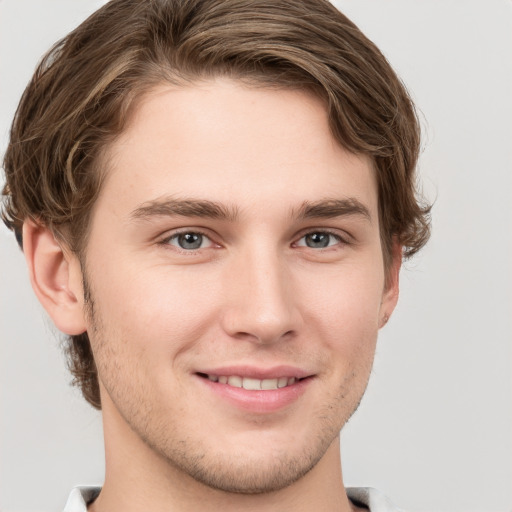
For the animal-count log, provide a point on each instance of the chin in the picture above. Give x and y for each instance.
(242, 475)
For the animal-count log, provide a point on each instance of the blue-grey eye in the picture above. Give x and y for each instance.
(189, 241)
(318, 240)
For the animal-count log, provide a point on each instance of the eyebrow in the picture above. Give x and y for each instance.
(331, 208)
(323, 209)
(185, 208)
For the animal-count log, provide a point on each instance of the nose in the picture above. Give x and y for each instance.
(260, 305)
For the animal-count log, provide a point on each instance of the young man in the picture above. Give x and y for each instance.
(214, 199)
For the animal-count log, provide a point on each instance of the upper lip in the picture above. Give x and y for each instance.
(253, 372)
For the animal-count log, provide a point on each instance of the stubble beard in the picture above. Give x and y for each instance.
(237, 472)
(227, 472)
(234, 471)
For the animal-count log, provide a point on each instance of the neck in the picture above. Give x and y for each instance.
(137, 478)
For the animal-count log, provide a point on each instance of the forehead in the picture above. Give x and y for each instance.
(232, 143)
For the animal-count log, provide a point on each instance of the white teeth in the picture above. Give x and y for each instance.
(282, 382)
(253, 384)
(269, 384)
(235, 381)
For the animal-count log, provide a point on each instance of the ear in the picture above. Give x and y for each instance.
(56, 278)
(391, 288)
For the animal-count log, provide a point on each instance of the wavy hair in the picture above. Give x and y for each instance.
(85, 87)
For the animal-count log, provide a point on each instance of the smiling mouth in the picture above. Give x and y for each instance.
(250, 383)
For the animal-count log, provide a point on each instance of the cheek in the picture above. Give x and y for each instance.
(152, 306)
(344, 313)
(349, 295)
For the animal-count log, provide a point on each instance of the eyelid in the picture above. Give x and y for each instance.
(343, 237)
(165, 239)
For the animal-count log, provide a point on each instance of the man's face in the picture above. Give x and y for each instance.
(234, 243)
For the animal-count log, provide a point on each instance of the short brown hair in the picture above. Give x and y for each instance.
(81, 95)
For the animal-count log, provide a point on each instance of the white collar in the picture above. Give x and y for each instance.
(366, 496)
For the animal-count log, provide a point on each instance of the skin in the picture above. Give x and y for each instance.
(257, 293)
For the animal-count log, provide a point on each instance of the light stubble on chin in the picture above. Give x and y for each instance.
(233, 472)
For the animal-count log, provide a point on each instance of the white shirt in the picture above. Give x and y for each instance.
(362, 496)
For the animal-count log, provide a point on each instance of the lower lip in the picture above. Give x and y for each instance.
(259, 401)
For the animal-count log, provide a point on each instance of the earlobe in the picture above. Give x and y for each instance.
(392, 288)
(55, 277)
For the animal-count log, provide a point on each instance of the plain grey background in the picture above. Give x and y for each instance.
(434, 430)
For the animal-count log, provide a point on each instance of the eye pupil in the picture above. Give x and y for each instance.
(317, 240)
(190, 240)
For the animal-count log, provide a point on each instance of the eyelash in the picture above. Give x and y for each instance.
(167, 240)
(339, 239)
